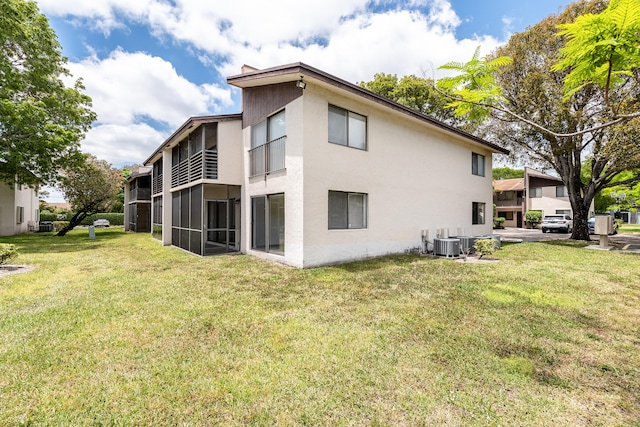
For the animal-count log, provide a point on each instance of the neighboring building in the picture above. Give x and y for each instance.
(137, 201)
(316, 171)
(19, 209)
(537, 191)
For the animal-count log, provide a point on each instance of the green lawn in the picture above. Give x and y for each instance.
(123, 331)
(630, 228)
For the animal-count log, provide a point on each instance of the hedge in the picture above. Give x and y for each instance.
(114, 218)
(7, 253)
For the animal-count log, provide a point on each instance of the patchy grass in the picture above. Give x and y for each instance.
(630, 228)
(123, 331)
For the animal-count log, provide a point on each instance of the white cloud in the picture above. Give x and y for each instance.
(123, 144)
(126, 86)
(134, 92)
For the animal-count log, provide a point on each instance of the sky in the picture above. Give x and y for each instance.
(149, 65)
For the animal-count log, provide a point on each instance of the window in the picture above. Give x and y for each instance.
(477, 164)
(535, 192)
(506, 215)
(477, 216)
(267, 223)
(561, 191)
(347, 210)
(19, 214)
(347, 128)
(505, 196)
(268, 145)
(563, 212)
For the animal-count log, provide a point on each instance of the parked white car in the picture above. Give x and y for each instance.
(101, 223)
(557, 222)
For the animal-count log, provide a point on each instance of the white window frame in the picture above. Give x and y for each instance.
(354, 220)
(350, 131)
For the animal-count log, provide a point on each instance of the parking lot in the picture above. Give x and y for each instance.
(620, 241)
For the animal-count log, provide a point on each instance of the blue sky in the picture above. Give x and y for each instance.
(151, 64)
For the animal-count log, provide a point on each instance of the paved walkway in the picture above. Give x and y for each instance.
(622, 241)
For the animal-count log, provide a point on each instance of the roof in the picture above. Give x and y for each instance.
(187, 127)
(512, 184)
(142, 171)
(538, 174)
(299, 70)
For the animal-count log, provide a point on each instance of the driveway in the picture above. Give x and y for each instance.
(625, 241)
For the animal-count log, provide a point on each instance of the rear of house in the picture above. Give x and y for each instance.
(317, 171)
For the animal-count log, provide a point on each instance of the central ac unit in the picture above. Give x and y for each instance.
(449, 248)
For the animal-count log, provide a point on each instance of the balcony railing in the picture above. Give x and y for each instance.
(513, 202)
(202, 165)
(156, 184)
(267, 158)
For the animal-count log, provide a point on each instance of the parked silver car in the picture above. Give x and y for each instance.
(101, 223)
(557, 222)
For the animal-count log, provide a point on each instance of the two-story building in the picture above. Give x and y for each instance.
(137, 201)
(316, 171)
(536, 191)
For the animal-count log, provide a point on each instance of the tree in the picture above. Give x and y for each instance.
(42, 121)
(89, 189)
(535, 111)
(416, 93)
(507, 173)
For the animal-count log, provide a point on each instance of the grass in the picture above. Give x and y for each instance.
(630, 228)
(123, 331)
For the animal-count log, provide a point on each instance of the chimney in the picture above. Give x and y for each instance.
(248, 68)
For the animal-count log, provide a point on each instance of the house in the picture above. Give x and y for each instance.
(137, 201)
(316, 171)
(537, 191)
(19, 209)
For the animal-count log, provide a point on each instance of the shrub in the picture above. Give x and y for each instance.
(534, 218)
(7, 253)
(59, 225)
(485, 247)
(498, 223)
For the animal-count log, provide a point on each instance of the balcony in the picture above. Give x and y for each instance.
(137, 194)
(202, 165)
(267, 158)
(509, 203)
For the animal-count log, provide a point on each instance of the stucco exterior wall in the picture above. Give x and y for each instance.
(415, 177)
(10, 199)
(549, 203)
(290, 182)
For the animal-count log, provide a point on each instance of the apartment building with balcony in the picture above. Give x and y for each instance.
(137, 201)
(316, 171)
(536, 191)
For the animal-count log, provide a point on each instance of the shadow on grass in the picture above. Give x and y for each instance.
(567, 243)
(75, 241)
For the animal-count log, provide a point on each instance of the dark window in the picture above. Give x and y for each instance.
(477, 164)
(478, 211)
(347, 210)
(535, 192)
(347, 128)
(561, 191)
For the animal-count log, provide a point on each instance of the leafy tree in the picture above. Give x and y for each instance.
(536, 106)
(416, 93)
(507, 173)
(90, 189)
(42, 121)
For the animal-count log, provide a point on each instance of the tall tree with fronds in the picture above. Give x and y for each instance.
(42, 121)
(543, 111)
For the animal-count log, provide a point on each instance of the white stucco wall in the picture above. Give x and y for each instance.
(289, 182)
(9, 201)
(416, 177)
(549, 203)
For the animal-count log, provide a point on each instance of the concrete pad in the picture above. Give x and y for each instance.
(600, 248)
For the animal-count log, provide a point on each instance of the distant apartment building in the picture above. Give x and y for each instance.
(536, 191)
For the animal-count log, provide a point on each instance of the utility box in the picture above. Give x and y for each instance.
(603, 225)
